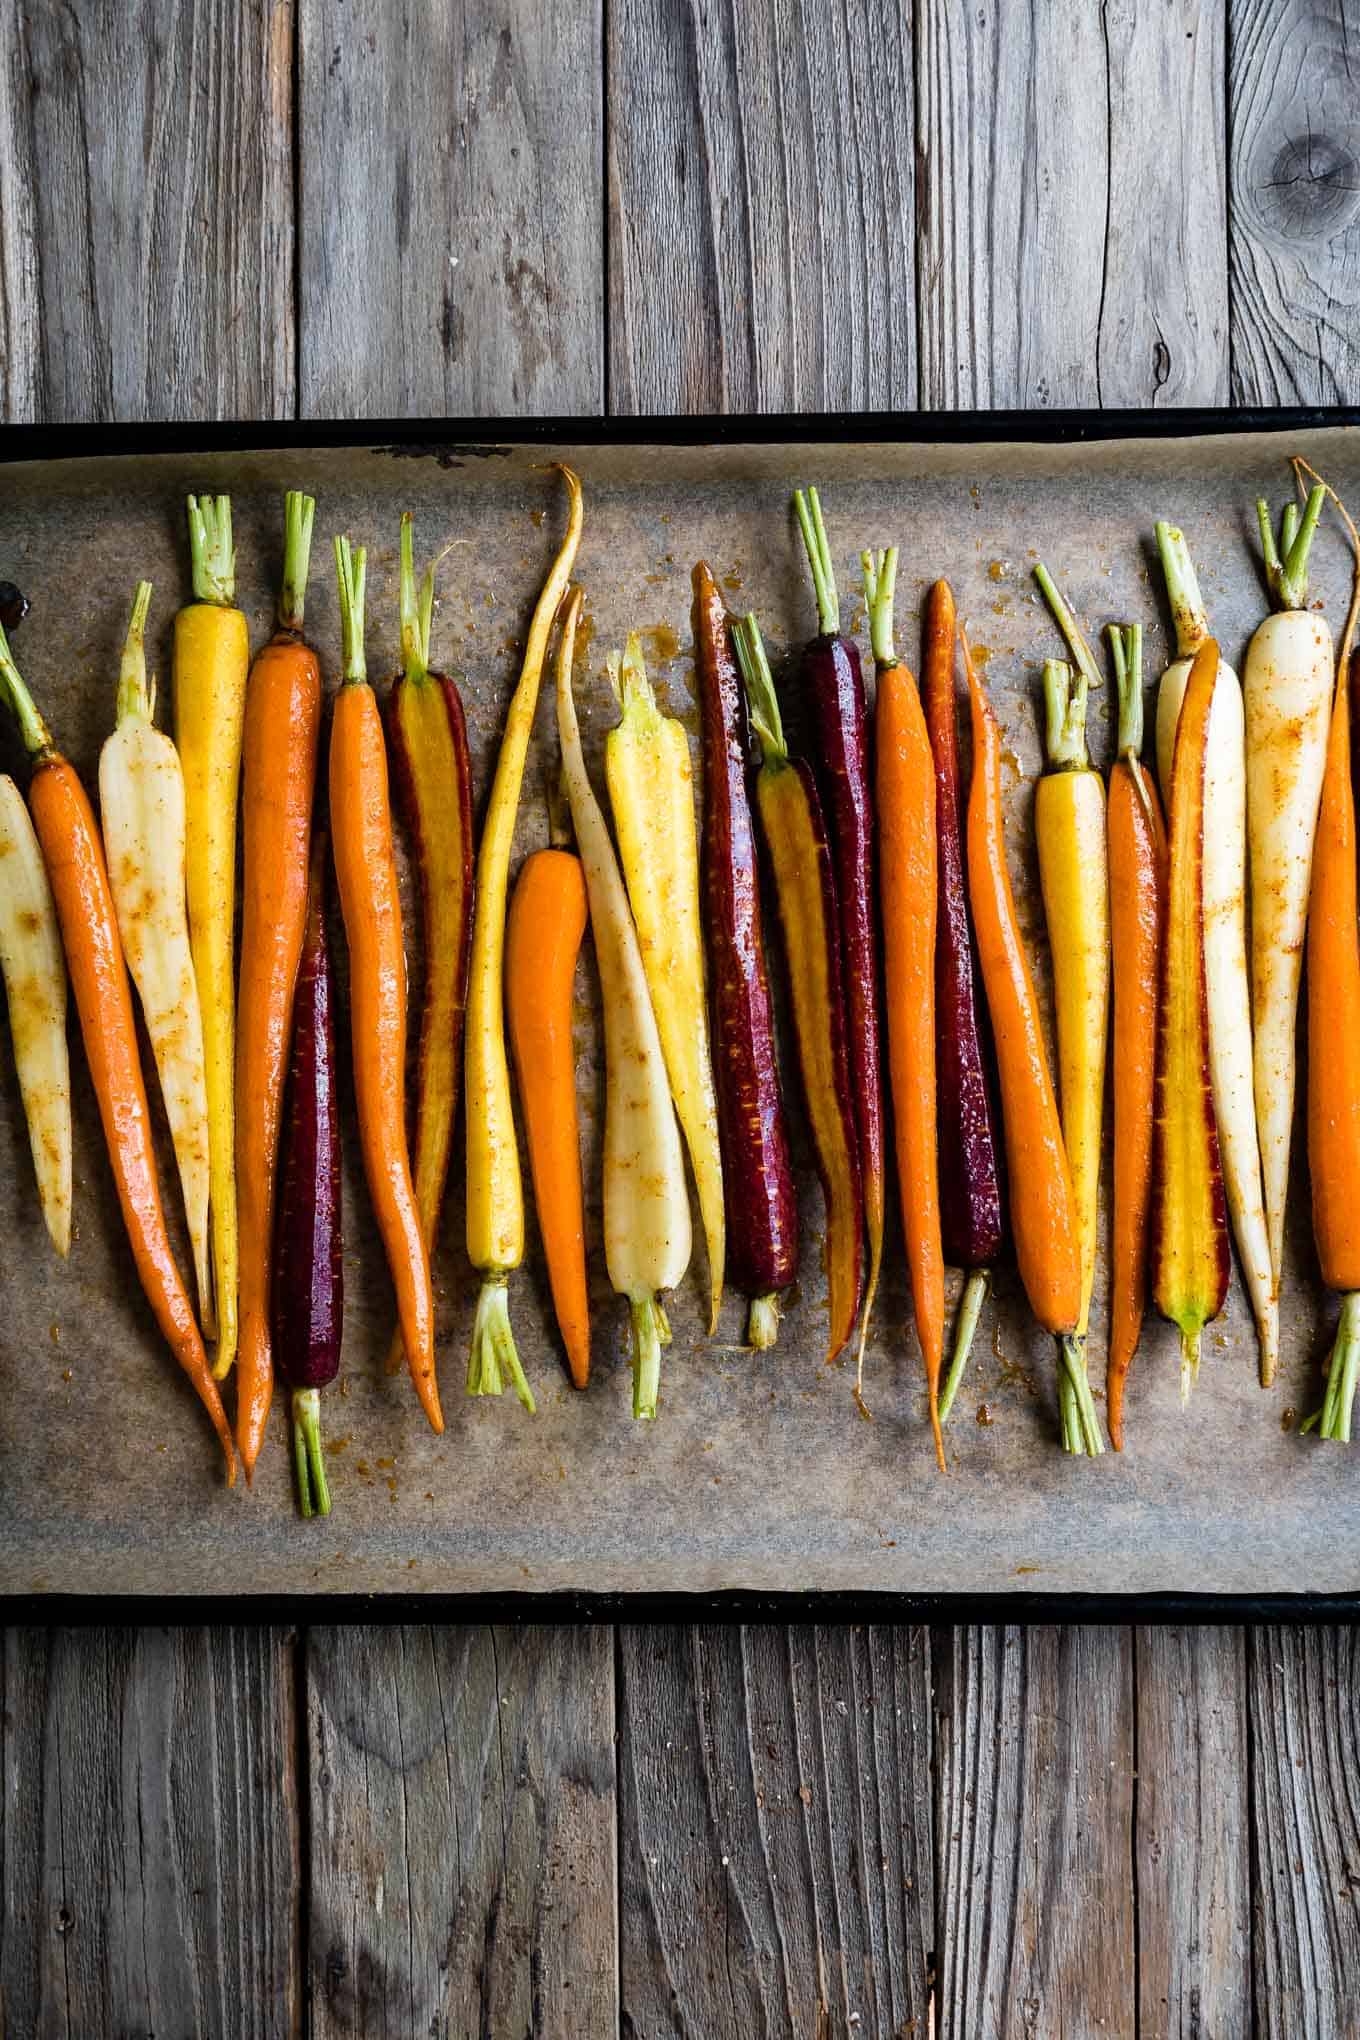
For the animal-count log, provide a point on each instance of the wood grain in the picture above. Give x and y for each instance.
(146, 262)
(1192, 1834)
(1033, 1830)
(1303, 1701)
(1293, 76)
(775, 1831)
(451, 232)
(760, 207)
(149, 1833)
(463, 1870)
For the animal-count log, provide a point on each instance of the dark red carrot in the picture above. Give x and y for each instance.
(834, 688)
(971, 1218)
(762, 1209)
(308, 1291)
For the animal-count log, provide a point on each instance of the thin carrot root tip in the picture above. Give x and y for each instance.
(762, 1325)
(651, 1331)
(493, 1347)
(1081, 1425)
(309, 1461)
(970, 1309)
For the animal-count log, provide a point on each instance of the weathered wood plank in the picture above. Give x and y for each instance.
(775, 1831)
(1304, 1709)
(1293, 76)
(451, 231)
(1033, 1832)
(760, 206)
(463, 1862)
(1070, 203)
(146, 238)
(1192, 1861)
(148, 1829)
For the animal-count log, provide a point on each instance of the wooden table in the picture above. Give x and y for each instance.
(346, 208)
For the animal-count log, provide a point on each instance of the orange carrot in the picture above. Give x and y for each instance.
(366, 871)
(1043, 1209)
(1136, 840)
(905, 788)
(282, 724)
(69, 837)
(547, 920)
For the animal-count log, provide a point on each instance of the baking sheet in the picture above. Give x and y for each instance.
(759, 1474)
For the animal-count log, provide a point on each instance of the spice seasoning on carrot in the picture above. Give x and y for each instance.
(971, 1219)
(905, 788)
(495, 1194)
(427, 737)
(74, 857)
(1136, 838)
(212, 654)
(762, 1209)
(34, 971)
(365, 868)
(1043, 1208)
(805, 887)
(543, 932)
(282, 728)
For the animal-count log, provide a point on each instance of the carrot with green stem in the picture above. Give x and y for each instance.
(834, 687)
(543, 933)
(646, 1202)
(282, 732)
(805, 887)
(34, 971)
(495, 1193)
(905, 788)
(1136, 838)
(74, 858)
(1044, 1218)
(427, 736)
(651, 794)
(366, 870)
(1069, 829)
(211, 659)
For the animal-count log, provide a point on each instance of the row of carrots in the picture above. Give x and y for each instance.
(888, 895)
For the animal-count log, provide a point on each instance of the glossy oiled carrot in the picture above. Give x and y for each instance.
(1137, 859)
(282, 725)
(212, 653)
(1190, 1236)
(366, 870)
(34, 971)
(74, 858)
(427, 732)
(547, 919)
(905, 788)
(1043, 1209)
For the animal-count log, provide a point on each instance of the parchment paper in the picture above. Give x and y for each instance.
(759, 1473)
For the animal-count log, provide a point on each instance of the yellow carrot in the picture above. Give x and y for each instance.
(212, 658)
(651, 791)
(34, 971)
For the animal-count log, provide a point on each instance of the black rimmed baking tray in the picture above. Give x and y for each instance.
(760, 1490)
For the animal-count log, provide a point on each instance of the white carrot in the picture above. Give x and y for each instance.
(651, 791)
(646, 1203)
(34, 970)
(1287, 691)
(1225, 930)
(141, 801)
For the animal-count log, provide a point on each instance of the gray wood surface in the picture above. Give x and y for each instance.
(1026, 223)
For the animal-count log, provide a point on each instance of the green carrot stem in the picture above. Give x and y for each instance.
(1343, 1370)
(965, 1325)
(1083, 658)
(37, 738)
(417, 609)
(298, 512)
(1073, 1359)
(1064, 717)
(880, 581)
(650, 1333)
(762, 1323)
(136, 703)
(759, 684)
(1188, 617)
(494, 1354)
(807, 505)
(1287, 566)
(1190, 1342)
(212, 556)
(309, 1459)
(632, 687)
(349, 570)
(1126, 652)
